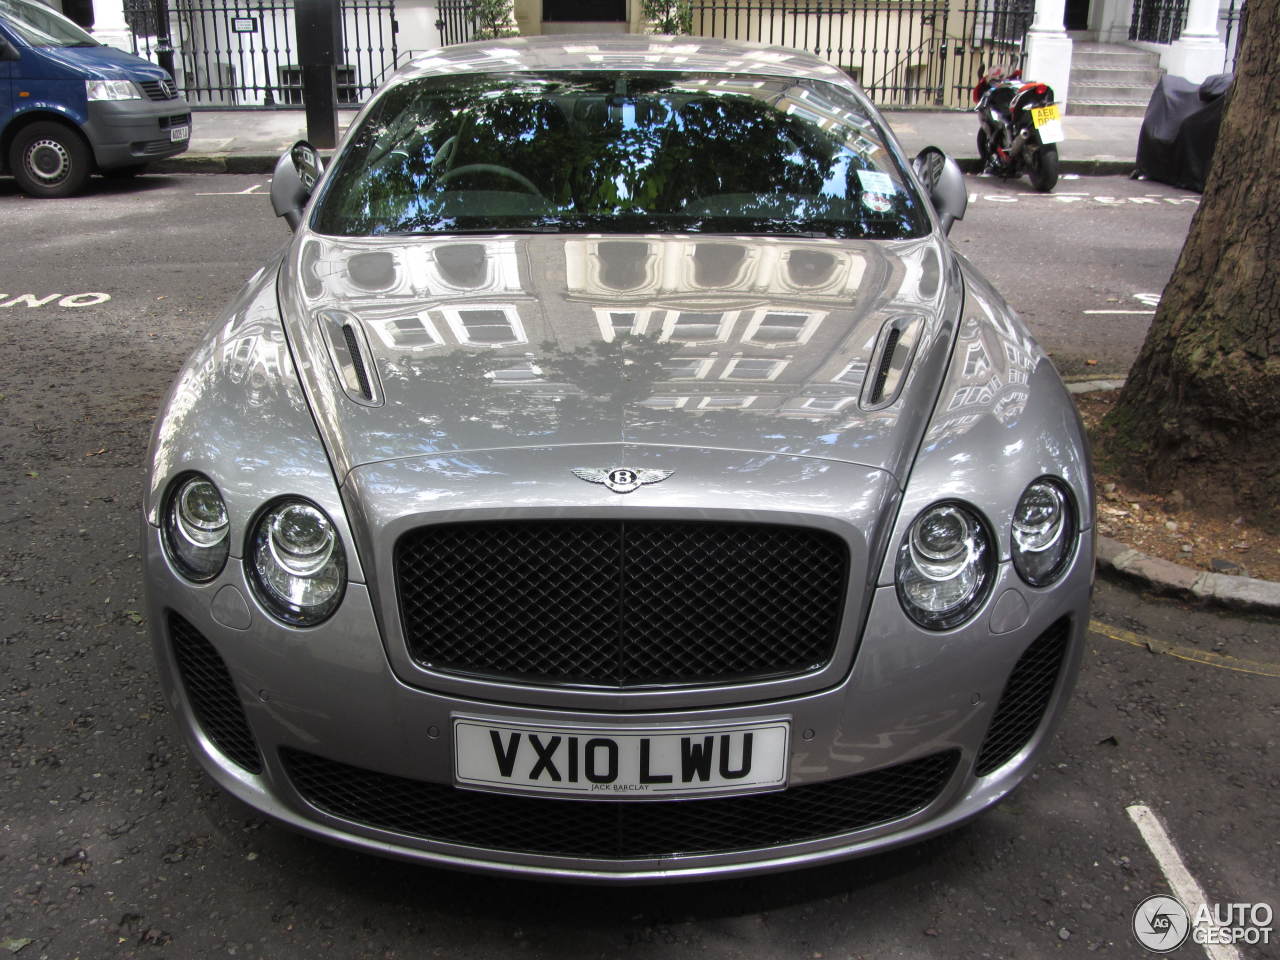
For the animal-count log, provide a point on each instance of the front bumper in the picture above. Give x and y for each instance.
(315, 729)
(128, 132)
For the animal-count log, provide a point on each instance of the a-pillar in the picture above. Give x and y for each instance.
(1199, 52)
(1049, 48)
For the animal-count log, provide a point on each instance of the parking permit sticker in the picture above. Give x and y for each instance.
(873, 181)
(877, 202)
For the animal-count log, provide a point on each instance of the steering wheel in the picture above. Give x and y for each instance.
(496, 170)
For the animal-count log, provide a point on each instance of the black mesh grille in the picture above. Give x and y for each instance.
(1025, 698)
(617, 829)
(212, 694)
(621, 603)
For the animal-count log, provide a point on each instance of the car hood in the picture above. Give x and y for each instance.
(419, 346)
(104, 63)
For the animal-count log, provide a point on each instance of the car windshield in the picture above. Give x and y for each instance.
(618, 152)
(41, 27)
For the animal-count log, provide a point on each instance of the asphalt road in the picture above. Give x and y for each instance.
(115, 845)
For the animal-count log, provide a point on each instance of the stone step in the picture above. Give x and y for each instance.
(1106, 108)
(1116, 58)
(1126, 76)
(1094, 90)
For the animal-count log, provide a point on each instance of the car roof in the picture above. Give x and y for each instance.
(622, 52)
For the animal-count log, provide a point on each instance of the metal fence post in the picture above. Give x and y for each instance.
(319, 30)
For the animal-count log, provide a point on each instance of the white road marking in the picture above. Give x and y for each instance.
(1144, 313)
(250, 192)
(1175, 871)
(31, 301)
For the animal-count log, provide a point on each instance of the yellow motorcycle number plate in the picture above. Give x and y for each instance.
(1042, 115)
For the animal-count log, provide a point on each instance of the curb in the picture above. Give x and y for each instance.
(1167, 579)
(266, 163)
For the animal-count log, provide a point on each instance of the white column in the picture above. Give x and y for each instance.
(1049, 48)
(109, 25)
(1199, 52)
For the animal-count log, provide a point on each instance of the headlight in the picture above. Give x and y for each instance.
(1044, 532)
(111, 90)
(945, 566)
(196, 528)
(296, 563)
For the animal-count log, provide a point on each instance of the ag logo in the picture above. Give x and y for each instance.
(621, 479)
(1161, 924)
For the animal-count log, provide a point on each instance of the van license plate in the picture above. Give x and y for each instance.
(180, 133)
(617, 763)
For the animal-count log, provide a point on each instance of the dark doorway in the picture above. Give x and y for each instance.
(584, 11)
(1077, 15)
(79, 11)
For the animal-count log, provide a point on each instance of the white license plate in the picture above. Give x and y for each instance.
(620, 763)
(180, 133)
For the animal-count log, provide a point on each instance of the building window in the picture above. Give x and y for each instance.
(495, 326)
(753, 368)
(826, 404)
(664, 403)
(616, 324)
(696, 327)
(686, 368)
(855, 373)
(410, 333)
(725, 403)
(769, 327)
(524, 372)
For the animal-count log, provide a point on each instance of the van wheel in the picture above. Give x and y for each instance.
(50, 160)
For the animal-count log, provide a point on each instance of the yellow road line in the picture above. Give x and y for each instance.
(1192, 654)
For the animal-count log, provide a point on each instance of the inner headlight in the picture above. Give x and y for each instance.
(1044, 532)
(296, 563)
(111, 90)
(945, 566)
(196, 528)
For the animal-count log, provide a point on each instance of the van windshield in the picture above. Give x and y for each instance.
(41, 27)
(618, 152)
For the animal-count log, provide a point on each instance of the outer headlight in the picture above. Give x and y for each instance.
(296, 563)
(111, 90)
(196, 527)
(1044, 532)
(945, 566)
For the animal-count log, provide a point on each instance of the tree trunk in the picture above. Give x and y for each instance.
(1201, 408)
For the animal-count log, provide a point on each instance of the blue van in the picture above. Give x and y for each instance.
(70, 105)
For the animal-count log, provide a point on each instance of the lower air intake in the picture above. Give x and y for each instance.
(212, 695)
(617, 830)
(1026, 697)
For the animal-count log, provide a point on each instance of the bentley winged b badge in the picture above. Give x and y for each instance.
(621, 479)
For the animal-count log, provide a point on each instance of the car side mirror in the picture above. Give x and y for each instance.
(8, 51)
(295, 177)
(941, 176)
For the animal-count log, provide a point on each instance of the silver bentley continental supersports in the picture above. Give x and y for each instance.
(618, 477)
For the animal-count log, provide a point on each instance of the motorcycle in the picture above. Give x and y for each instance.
(1019, 127)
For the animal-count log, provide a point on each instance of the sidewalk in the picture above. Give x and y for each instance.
(250, 141)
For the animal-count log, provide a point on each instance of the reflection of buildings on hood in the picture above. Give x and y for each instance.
(990, 374)
(788, 327)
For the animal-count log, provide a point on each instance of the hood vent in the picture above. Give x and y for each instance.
(895, 348)
(351, 356)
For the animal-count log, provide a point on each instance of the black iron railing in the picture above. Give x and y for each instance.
(244, 52)
(1157, 21)
(1233, 22)
(456, 21)
(903, 52)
